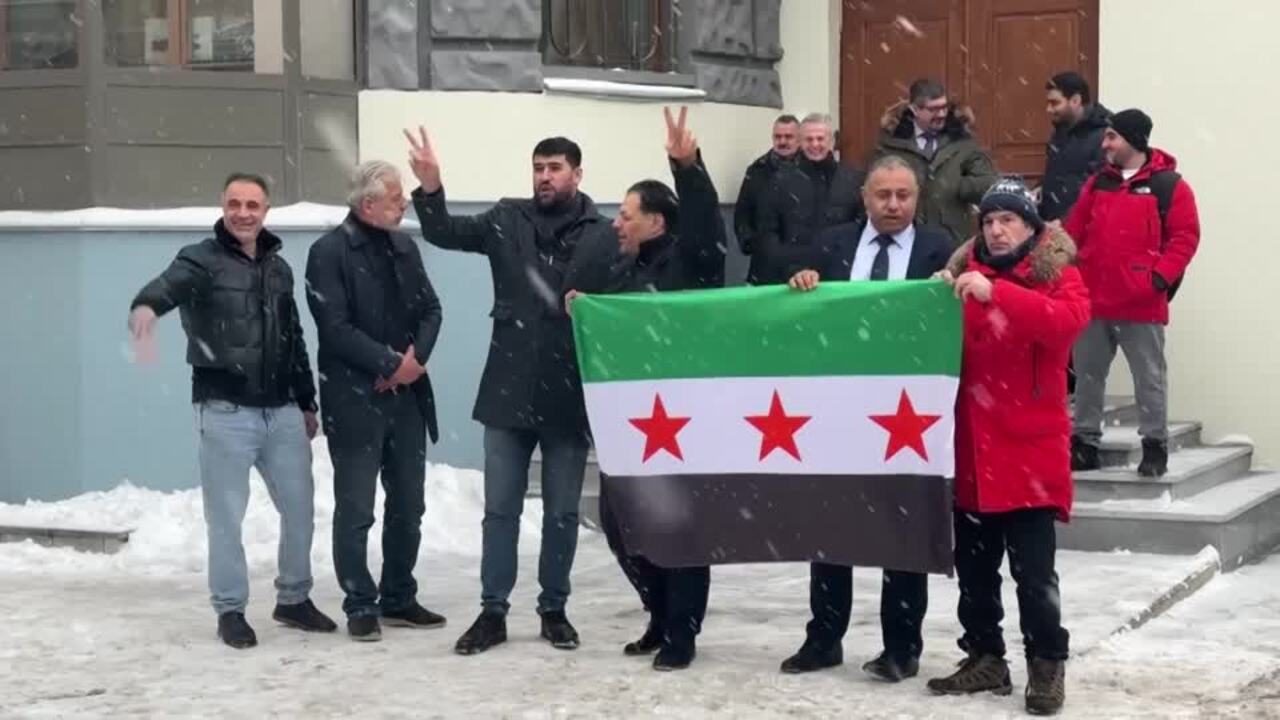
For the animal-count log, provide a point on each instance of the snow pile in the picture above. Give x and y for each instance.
(169, 531)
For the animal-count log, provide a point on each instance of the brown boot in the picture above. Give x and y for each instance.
(1046, 686)
(977, 673)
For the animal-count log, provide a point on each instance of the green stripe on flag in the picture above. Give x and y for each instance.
(902, 327)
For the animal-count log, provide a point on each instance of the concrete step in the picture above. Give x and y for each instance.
(1240, 518)
(1191, 470)
(1121, 444)
(589, 507)
(84, 540)
(1120, 410)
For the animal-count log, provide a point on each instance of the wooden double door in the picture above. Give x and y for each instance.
(994, 55)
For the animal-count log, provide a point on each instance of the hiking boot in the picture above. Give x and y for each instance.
(1155, 458)
(1084, 456)
(303, 616)
(364, 628)
(891, 669)
(650, 641)
(811, 657)
(235, 631)
(488, 630)
(1046, 686)
(557, 630)
(674, 657)
(413, 616)
(977, 673)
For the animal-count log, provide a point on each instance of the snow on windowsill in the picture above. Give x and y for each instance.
(619, 90)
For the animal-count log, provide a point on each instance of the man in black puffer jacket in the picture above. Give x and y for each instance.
(254, 399)
(804, 197)
(1075, 150)
(530, 392)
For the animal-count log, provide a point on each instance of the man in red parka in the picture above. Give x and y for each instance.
(1024, 305)
(1133, 253)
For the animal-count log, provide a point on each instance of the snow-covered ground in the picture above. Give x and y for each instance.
(131, 634)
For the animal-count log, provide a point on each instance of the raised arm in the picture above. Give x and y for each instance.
(449, 232)
(701, 230)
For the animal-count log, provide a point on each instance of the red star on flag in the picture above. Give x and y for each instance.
(660, 431)
(778, 430)
(906, 428)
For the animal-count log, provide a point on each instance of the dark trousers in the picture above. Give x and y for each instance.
(903, 601)
(1030, 539)
(676, 598)
(399, 453)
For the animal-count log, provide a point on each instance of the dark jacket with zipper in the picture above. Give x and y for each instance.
(803, 198)
(1071, 156)
(530, 378)
(244, 339)
(690, 258)
(1013, 427)
(365, 326)
(756, 185)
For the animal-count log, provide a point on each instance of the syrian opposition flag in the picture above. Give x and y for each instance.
(765, 424)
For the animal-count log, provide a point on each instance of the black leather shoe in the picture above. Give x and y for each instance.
(674, 657)
(364, 628)
(414, 616)
(304, 616)
(235, 631)
(892, 669)
(557, 630)
(810, 657)
(650, 641)
(488, 630)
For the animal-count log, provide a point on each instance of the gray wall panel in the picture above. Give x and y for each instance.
(496, 19)
(194, 115)
(324, 176)
(392, 52)
(42, 114)
(144, 176)
(44, 178)
(329, 122)
(485, 70)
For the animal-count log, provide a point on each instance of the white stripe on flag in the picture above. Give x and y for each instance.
(840, 438)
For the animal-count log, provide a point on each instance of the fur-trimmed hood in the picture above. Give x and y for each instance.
(899, 122)
(1054, 251)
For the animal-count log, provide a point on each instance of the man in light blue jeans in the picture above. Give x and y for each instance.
(233, 439)
(254, 399)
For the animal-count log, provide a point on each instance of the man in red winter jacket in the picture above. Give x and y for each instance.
(1132, 253)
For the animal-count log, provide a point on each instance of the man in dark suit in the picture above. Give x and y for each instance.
(378, 318)
(888, 246)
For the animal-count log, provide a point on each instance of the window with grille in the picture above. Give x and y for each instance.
(610, 34)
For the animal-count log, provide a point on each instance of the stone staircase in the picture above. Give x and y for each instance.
(1212, 495)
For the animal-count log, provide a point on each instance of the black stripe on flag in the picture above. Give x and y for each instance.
(902, 522)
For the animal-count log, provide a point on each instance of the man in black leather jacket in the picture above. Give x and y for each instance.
(254, 399)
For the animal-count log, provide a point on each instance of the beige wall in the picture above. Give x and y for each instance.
(1204, 72)
(484, 139)
(810, 67)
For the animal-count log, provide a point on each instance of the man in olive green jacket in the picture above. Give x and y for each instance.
(954, 171)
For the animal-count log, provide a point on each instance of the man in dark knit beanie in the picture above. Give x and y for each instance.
(1137, 228)
(1010, 193)
(1135, 127)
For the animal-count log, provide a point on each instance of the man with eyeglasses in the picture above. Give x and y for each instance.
(932, 134)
